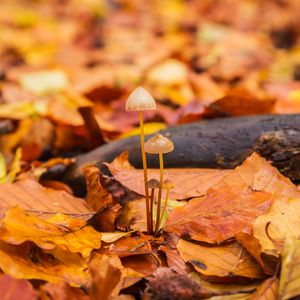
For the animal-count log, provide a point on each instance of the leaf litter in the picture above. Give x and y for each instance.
(227, 234)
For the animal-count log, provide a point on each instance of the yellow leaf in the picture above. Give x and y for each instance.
(222, 261)
(280, 223)
(111, 237)
(149, 128)
(66, 234)
(28, 263)
(289, 286)
(267, 291)
(44, 82)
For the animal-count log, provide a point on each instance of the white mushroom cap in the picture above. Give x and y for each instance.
(159, 144)
(140, 99)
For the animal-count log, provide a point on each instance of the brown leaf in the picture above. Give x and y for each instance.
(109, 276)
(101, 200)
(12, 289)
(133, 215)
(221, 261)
(61, 291)
(44, 202)
(145, 264)
(267, 291)
(174, 260)
(259, 175)
(241, 102)
(97, 196)
(128, 246)
(188, 182)
(253, 246)
(105, 277)
(219, 215)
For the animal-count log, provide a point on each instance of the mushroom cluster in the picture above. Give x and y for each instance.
(140, 100)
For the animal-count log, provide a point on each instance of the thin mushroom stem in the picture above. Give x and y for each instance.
(151, 209)
(161, 175)
(165, 206)
(142, 135)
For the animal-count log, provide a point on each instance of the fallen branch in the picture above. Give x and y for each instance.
(219, 143)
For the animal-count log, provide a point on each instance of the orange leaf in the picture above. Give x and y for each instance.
(36, 199)
(60, 232)
(12, 289)
(188, 182)
(221, 261)
(219, 215)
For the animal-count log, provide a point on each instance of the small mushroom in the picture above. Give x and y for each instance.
(140, 100)
(168, 185)
(159, 145)
(152, 184)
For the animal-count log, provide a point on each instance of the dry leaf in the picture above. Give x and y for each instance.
(289, 285)
(44, 202)
(259, 175)
(221, 261)
(109, 276)
(61, 291)
(188, 182)
(30, 263)
(267, 291)
(128, 246)
(219, 215)
(280, 223)
(64, 233)
(12, 289)
(252, 245)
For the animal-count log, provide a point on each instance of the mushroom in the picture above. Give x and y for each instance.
(152, 184)
(168, 185)
(159, 145)
(140, 100)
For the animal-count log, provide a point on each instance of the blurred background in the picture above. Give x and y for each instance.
(67, 67)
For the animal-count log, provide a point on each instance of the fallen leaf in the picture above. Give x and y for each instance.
(144, 264)
(19, 227)
(133, 215)
(219, 215)
(221, 261)
(252, 245)
(149, 128)
(289, 286)
(97, 196)
(267, 291)
(128, 246)
(259, 175)
(280, 223)
(12, 289)
(109, 276)
(104, 279)
(61, 291)
(29, 263)
(231, 288)
(240, 102)
(44, 82)
(111, 237)
(101, 200)
(44, 202)
(188, 182)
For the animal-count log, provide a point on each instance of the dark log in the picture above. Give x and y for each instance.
(217, 143)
